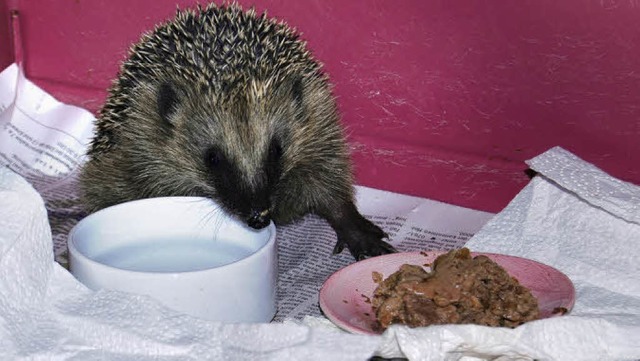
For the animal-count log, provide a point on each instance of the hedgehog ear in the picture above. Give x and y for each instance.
(167, 100)
(297, 91)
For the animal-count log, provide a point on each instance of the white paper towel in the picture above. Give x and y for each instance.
(583, 222)
(577, 218)
(583, 225)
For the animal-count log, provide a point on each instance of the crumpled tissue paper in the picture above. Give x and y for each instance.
(580, 220)
(571, 216)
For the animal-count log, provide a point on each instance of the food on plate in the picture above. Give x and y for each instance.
(460, 289)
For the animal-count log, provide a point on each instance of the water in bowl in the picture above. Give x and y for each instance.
(173, 256)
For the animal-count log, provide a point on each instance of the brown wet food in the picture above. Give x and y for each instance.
(459, 289)
(560, 310)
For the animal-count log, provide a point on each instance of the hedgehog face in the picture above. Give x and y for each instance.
(237, 146)
(248, 197)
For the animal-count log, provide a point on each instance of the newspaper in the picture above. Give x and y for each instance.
(45, 141)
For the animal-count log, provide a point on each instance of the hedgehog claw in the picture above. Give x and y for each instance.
(338, 247)
(362, 237)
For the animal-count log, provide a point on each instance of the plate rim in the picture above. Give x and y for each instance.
(322, 298)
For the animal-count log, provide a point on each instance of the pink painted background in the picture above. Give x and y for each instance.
(442, 99)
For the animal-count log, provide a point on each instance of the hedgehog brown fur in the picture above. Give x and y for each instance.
(230, 105)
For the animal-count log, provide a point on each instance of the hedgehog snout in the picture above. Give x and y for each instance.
(259, 219)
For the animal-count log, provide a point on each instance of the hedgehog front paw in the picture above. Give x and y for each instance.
(360, 249)
(363, 238)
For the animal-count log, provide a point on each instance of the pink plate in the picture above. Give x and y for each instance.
(344, 297)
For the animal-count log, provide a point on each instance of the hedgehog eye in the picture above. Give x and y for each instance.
(212, 157)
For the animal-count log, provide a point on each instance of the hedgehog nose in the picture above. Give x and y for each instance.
(259, 219)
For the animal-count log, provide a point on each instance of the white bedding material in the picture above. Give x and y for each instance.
(46, 314)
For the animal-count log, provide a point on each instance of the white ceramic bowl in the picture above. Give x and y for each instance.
(183, 251)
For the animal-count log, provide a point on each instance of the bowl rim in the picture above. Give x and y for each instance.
(74, 252)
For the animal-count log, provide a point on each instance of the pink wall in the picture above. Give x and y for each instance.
(443, 99)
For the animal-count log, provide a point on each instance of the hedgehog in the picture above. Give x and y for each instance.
(230, 105)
